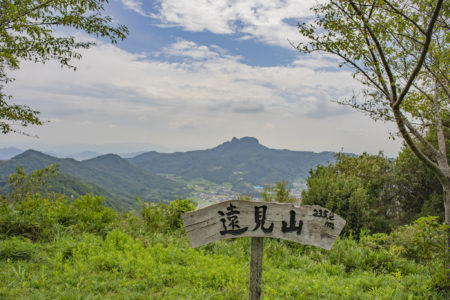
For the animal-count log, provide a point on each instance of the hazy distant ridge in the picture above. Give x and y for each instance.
(8, 153)
(241, 163)
(119, 177)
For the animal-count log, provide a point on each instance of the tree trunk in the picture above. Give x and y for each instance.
(446, 196)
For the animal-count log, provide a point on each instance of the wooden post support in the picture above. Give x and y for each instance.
(256, 261)
(307, 224)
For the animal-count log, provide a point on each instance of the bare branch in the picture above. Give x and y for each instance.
(404, 16)
(408, 139)
(361, 71)
(419, 137)
(377, 68)
(439, 130)
(423, 54)
(379, 50)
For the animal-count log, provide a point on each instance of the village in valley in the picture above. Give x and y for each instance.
(220, 193)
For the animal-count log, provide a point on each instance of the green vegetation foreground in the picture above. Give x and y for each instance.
(53, 249)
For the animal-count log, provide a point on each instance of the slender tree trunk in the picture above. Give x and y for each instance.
(446, 196)
(442, 160)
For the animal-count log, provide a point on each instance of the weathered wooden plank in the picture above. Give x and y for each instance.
(307, 224)
(256, 261)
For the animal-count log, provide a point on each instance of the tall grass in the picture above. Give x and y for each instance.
(85, 251)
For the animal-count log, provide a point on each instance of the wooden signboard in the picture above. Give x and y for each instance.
(308, 224)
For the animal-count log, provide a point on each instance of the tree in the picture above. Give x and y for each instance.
(23, 184)
(418, 190)
(277, 193)
(360, 189)
(399, 51)
(28, 32)
(375, 192)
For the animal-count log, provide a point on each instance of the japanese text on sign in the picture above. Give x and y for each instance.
(311, 225)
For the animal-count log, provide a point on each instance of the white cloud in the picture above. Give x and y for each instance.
(317, 61)
(244, 38)
(270, 21)
(198, 15)
(199, 101)
(136, 6)
(183, 48)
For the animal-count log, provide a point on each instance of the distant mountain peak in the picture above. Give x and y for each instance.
(32, 152)
(240, 144)
(106, 157)
(245, 140)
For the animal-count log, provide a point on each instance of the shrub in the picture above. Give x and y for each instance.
(28, 218)
(429, 239)
(359, 189)
(165, 218)
(88, 214)
(423, 242)
(37, 218)
(16, 248)
(176, 209)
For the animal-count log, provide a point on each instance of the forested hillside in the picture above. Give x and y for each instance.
(122, 181)
(242, 162)
(239, 164)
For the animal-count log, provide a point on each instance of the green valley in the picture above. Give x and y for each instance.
(122, 180)
(233, 168)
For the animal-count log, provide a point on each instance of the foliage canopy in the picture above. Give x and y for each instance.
(399, 50)
(30, 31)
(375, 193)
(357, 188)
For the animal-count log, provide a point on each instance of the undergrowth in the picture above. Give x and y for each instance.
(53, 249)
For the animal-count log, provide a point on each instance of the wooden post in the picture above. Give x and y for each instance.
(256, 260)
(308, 225)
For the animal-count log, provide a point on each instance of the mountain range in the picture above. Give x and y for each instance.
(9, 152)
(152, 176)
(243, 163)
(121, 180)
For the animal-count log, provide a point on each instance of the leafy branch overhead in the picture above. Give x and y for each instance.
(28, 32)
(399, 51)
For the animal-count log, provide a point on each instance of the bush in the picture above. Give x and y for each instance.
(16, 248)
(423, 242)
(359, 255)
(88, 214)
(29, 218)
(176, 209)
(37, 218)
(165, 218)
(359, 189)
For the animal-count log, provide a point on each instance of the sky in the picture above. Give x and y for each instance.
(193, 74)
